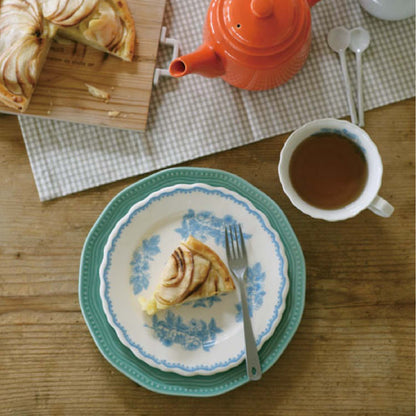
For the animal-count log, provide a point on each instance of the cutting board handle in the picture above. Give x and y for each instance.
(175, 53)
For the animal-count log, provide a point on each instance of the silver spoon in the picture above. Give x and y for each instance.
(339, 40)
(360, 40)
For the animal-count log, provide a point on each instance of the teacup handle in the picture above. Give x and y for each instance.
(381, 207)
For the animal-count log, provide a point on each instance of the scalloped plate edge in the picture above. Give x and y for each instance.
(184, 174)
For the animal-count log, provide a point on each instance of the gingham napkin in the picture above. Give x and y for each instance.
(194, 116)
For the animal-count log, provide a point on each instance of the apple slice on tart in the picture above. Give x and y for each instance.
(193, 271)
(27, 28)
(105, 25)
(25, 38)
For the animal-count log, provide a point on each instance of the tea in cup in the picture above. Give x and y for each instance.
(331, 169)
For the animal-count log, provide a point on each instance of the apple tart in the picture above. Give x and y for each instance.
(27, 28)
(193, 271)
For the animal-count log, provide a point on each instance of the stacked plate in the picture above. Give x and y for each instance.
(196, 349)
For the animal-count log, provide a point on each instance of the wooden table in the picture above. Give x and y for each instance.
(353, 353)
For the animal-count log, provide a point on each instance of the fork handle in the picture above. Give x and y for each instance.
(252, 356)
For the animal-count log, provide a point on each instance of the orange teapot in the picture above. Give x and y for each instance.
(251, 44)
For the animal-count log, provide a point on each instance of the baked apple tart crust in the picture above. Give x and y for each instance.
(27, 28)
(193, 271)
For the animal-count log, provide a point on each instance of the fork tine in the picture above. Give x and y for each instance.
(237, 241)
(227, 243)
(243, 244)
(232, 244)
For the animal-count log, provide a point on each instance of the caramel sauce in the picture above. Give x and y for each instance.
(328, 171)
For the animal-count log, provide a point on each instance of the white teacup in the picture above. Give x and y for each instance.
(368, 197)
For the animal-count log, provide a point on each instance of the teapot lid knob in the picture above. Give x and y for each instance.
(262, 8)
(261, 25)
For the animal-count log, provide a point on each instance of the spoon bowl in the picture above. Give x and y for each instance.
(339, 39)
(360, 40)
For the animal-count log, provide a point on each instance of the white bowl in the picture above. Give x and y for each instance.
(389, 9)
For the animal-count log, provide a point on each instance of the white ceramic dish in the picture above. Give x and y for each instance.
(389, 9)
(203, 337)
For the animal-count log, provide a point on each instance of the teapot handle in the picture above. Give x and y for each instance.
(312, 2)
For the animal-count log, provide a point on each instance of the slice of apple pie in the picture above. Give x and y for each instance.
(193, 271)
(27, 28)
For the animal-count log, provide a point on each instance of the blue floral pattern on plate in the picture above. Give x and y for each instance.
(140, 263)
(193, 335)
(255, 290)
(205, 224)
(206, 302)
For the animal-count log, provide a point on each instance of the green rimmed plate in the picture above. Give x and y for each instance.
(104, 335)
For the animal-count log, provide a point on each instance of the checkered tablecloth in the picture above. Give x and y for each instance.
(195, 116)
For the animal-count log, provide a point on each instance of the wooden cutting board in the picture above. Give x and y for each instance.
(61, 93)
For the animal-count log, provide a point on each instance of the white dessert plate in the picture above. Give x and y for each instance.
(203, 337)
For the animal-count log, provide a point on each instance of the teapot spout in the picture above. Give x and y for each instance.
(312, 2)
(204, 61)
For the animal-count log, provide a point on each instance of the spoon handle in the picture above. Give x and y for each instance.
(360, 91)
(348, 87)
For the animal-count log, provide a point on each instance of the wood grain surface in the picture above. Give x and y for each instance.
(353, 353)
(61, 92)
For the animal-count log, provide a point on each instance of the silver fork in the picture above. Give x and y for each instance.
(237, 261)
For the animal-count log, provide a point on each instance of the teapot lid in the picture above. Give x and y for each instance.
(261, 23)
